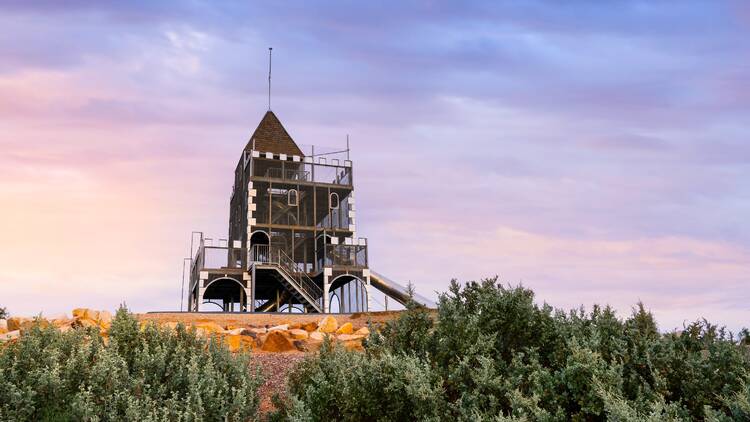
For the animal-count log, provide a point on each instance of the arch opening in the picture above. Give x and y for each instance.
(350, 293)
(227, 293)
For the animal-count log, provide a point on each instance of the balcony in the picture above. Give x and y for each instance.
(333, 173)
(354, 256)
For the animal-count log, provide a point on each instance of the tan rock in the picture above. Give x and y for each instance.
(11, 335)
(317, 336)
(256, 330)
(85, 323)
(235, 331)
(234, 342)
(301, 345)
(17, 323)
(363, 331)
(211, 327)
(276, 341)
(353, 345)
(295, 326)
(234, 327)
(310, 326)
(298, 334)
(328, 325)
(105, 318)
(349, 337)
(79, 313)
(59, 322)
(347, 328)
(282, 327)
(3, 326)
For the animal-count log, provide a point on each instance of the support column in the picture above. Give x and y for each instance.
(248, 292)
(327, 273)
(202, 277)
(366, 276)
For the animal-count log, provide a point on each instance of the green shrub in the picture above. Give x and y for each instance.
(493, 354)
(337, 385)
(145, 375)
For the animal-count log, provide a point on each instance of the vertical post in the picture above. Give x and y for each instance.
(270, 49)
(252, 290)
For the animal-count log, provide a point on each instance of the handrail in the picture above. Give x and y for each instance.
(265, 254)
(305, 282)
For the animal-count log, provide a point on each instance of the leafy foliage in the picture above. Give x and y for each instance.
(146, 375)
(491, 353)
(3, 313)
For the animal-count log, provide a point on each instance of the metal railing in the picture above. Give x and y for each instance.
(299, 175)
(269, 255)
(345, 255)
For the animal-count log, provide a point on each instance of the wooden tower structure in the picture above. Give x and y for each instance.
(292, 244)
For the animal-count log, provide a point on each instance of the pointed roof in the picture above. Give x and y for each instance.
(270, 136)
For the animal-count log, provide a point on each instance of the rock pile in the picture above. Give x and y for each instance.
(291, 337)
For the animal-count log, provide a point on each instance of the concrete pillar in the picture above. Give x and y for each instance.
(327, 273)
(366, 276)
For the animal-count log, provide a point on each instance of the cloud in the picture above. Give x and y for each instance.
(592, 151)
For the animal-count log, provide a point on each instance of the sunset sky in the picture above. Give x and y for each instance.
(597, 152)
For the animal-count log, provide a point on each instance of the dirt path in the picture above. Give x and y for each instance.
(275, 367)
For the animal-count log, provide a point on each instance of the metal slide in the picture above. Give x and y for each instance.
(397, 291)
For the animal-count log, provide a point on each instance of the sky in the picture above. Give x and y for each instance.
(595, 152)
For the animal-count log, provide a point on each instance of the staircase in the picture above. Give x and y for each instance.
(299, 284)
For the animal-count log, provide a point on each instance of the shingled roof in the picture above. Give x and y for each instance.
(270, 136)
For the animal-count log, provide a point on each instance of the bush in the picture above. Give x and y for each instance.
(145, 375)
(493, 354)
(3, 313)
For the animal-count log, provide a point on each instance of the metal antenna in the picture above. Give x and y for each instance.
(269, 77)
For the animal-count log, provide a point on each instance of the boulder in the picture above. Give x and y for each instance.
(363, 331)
(301, 345)
(59, 322)
(276, 341)
(249, 333)
(104, 318)
(298, 334)
(328, 325)
(355, 345)
(3, 326)
(349, 337)
(347, 328)
(86, 323)
(234, 342)
(210, 328)
(317, 336)
(282, 327)
(235, 332)
(310, 326)
(11, 335)
(79, 313)
(17, 323)
(256, 330)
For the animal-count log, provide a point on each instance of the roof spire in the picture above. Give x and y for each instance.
(269, 77)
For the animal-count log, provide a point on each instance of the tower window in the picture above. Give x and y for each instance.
(292, 197)
(333, 201)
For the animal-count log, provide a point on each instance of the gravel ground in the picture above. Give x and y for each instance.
(275, 367)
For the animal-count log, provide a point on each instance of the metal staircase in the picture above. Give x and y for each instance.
(298, 283)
